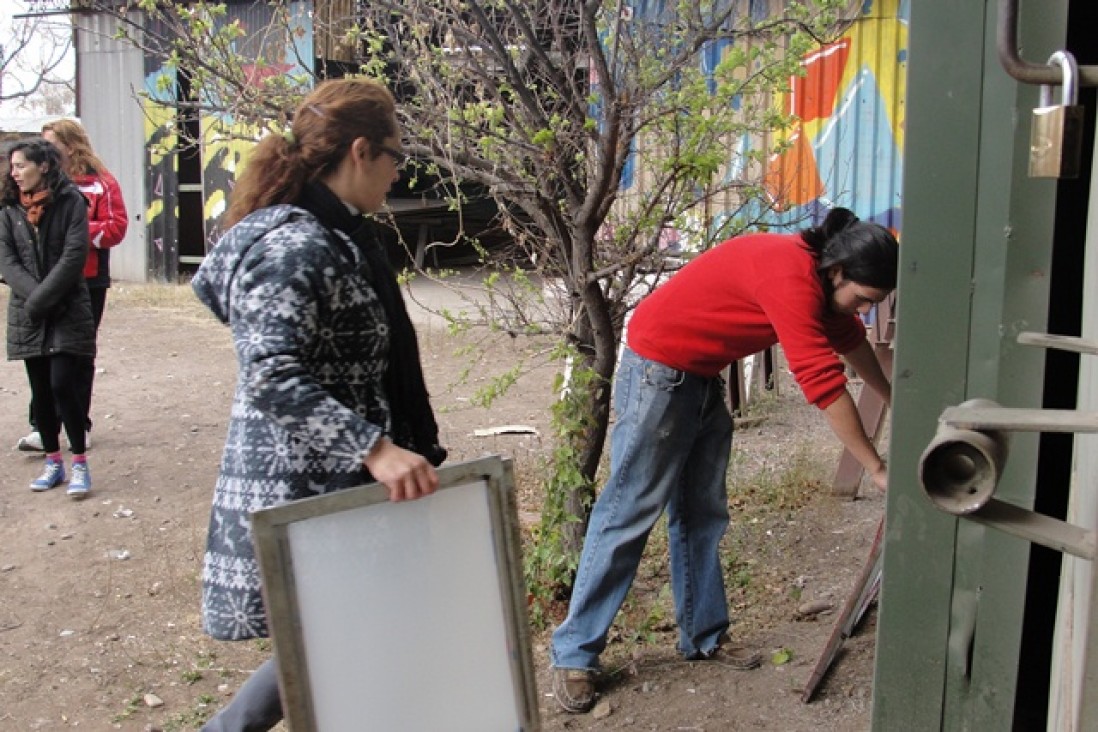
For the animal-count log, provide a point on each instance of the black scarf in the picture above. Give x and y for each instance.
(413, 419)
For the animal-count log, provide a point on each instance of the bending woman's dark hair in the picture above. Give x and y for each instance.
(327, 122)
(867, 252)
(37, 151)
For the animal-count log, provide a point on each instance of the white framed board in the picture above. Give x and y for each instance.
(401, 616)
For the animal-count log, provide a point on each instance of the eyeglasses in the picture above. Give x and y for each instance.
(400, 158)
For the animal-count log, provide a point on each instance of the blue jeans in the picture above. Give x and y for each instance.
(669, 449)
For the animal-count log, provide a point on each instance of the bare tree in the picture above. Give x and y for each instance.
(601, 128)
(36, 60)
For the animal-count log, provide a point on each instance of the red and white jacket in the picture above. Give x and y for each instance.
(107, 223)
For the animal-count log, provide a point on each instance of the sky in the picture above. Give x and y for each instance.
(49, 37)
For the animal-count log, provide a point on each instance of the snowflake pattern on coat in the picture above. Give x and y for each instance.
(312, 344)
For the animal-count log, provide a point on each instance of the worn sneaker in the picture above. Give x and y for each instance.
(574, 689)
(52, 476)
(30, 443)
(732, 655)
(81, 483)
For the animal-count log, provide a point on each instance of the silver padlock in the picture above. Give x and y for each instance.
(1056, 139)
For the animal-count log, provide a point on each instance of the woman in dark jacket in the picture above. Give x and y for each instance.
(107, 224)
(43, 246)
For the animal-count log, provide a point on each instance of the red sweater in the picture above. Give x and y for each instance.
(742, 297)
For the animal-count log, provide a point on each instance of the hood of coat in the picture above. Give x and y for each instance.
(212, 283)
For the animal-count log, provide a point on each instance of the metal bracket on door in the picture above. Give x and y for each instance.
(1024, 71)
(961, 467)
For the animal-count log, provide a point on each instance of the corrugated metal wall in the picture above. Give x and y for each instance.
(109, 74)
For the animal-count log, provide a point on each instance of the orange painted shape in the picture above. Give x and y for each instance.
(813, 95)
(792, 178)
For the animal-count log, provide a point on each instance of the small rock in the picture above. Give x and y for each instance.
(119, 554)
(152, 701)
(7, 568)
(66, 536)
(602, 710)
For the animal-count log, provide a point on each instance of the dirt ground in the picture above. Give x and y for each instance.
(99, 600)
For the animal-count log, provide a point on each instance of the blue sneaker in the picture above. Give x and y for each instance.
(52, 476)
(81, 482)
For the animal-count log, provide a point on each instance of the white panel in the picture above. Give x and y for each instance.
(402, 616)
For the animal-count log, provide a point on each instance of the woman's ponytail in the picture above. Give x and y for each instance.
(836, 220)
(867, 252)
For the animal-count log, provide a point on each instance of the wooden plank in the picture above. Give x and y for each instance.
(873, 410)
(865, 591)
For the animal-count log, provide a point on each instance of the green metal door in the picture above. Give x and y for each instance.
(976, 255)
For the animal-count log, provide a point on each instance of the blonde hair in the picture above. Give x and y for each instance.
(81, 159)
(335, 114)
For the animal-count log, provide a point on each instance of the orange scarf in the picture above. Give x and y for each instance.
(35, 205)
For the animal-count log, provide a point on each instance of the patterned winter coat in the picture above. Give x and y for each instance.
(312, 345)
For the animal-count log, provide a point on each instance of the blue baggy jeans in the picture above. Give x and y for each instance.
(669, 449)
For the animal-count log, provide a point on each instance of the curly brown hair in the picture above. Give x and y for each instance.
(325, 124)
(81, 159)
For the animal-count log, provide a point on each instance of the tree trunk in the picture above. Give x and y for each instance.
(598, 346)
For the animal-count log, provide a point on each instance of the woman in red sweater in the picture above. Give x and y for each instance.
(107, 223)
(673, 435)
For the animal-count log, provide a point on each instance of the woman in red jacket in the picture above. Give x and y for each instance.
(107, 223)
(673, 435)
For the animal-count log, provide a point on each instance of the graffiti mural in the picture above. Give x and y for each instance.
(846, 148)
(161, 140)
(224, 141)
(224, 150)
(846, 145)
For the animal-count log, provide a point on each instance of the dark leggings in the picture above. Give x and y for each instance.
(256, 706)
(86, 373)
(55, 390)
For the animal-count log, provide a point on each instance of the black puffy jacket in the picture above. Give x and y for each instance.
(49, 311)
